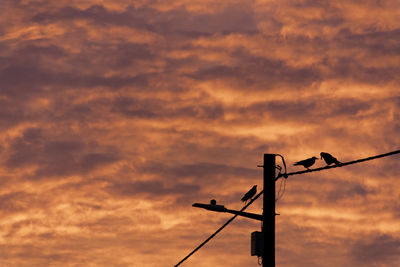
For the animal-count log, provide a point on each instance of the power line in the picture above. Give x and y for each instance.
(285, 175)
(220, 229)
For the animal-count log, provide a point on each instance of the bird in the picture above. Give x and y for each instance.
(306, 163)
(329, 159)
(250, 193)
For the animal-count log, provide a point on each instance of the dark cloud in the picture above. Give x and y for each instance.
(376, 250)
(137, 108)
(199, 170)
(330, 190)
(15, 202)
(70, 13)
(126, 54)
(355, 71)
(35, 71)
(263, 72)
(24, 152)
(268, 73)
(154, 108)
(32, 51)
(347, 190)
(35, 78)
(90, 161)
(375, 42)
(304, 245)
(56, 157)
(236, 18)
(23, 79)
(396, 208)
(306, 110)
(11, 114)
(152, 188)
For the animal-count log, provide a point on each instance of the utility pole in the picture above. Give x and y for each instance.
(263, 243)
(268, 223)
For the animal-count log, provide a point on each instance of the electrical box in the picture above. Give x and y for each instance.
(257, 244)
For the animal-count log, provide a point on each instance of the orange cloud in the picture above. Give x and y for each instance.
(117, 116)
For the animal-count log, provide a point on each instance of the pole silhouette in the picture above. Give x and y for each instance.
(268, 225)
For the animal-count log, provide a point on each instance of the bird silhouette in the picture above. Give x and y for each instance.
(329, 159)
(306, 163)
(250, 194)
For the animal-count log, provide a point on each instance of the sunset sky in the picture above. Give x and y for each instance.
(118, 115)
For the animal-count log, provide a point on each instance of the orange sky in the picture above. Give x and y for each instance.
(116, 116)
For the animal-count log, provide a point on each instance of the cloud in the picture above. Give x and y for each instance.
(237, 18)
(262, 72)
(56, 157)
(115, 118)
(376, 250)
(15, 201)
(344, 191)
(307, 110)
(159, 109)
(199, 170)
(35, 78)
(151, 188)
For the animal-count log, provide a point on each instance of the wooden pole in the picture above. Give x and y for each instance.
(268, 227)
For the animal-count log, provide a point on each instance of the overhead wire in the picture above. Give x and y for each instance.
(285, 175)
(280, 193)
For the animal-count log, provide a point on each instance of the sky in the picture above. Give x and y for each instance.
(116, 116)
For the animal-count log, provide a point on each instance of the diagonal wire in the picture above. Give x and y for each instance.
(219, 229)
(339, 165)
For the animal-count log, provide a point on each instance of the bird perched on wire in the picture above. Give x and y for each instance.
(329, 159)
(307, 163)
(250, 194)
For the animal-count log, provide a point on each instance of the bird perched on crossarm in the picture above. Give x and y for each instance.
(307, 163)
(329, 159)
(250, 194)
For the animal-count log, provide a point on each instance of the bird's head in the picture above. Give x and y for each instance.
(314, 157)
(322, 154)
(255, 186)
